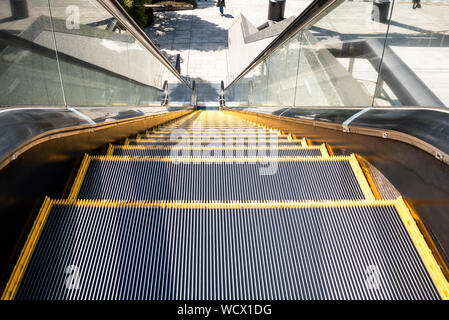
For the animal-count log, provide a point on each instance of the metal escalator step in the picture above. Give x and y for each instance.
(206, 132)
(142, 151)
(333, 250)
(177, 136)
(147, 142)
(224, 179)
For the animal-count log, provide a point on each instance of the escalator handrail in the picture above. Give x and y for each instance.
(119, 13)
(304, 18)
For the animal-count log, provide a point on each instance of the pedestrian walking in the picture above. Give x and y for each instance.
(416, 4)
(221, 4)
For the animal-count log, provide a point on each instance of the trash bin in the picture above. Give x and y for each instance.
(276, 9)
(380, 10)
(19, 9)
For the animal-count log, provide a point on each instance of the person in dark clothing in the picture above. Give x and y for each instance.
(221, 4)
(416, 4)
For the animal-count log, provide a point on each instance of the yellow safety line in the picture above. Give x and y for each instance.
(210, 141)
(368, 177)
(199, 125)
(218, 135)
(110, 150)
(323, 150)
(411, 226)
(360, 177)
(222, 159)
(309, 143)
(225, 205)
(330, 150)
(27, 251)
(424, 251)
(250, 147)
(428, 238)
(80, 177)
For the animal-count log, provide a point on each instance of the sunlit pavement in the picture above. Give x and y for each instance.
(200, 36)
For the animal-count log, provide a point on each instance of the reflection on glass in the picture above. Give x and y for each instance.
(415, 68)
(344, 57)
(28, 68)
(75, 53)
(102, 64)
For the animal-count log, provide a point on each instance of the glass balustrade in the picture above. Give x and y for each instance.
(356, 53)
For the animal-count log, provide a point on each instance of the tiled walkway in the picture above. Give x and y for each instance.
(200, 37)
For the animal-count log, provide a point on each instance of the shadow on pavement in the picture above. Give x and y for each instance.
(174, 31)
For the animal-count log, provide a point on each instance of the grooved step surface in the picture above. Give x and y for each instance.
(177, 136)
(284, 253)
(223, 143)
(217, 153)
(278, 180)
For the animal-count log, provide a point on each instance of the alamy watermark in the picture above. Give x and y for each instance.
(73, 17)
(72, 280)
(372, 281)
(237, 146)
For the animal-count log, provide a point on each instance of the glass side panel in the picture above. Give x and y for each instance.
(259, 84)
(100, 65)
(415, 67)
(329, 62)
(336, 67)
(282, 73)
(359, 53)
(28, 68)
(75, 53)
(145, 73)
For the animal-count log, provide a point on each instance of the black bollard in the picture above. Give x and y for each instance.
(276, 9)
(19, 9)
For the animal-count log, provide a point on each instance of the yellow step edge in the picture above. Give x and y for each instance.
(110, 150)
(203, 126)
(323, 149)
(27, 251)
(401, 207)
(363, 183)
(80, 177)
(225, 205)
(308, 141)
(250, 147)
(424, 251)
(213, 136)
(209, 141)
(330, 150)
(201, 132)
(222, 159)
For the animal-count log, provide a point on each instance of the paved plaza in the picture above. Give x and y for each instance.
(200, 36)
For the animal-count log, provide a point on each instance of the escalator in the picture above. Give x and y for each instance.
(150, 220)
(302, 179)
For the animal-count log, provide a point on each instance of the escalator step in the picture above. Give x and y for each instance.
(140, 142)
(344, 250)
(216, 152)
(209, 137)
(224, 179)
